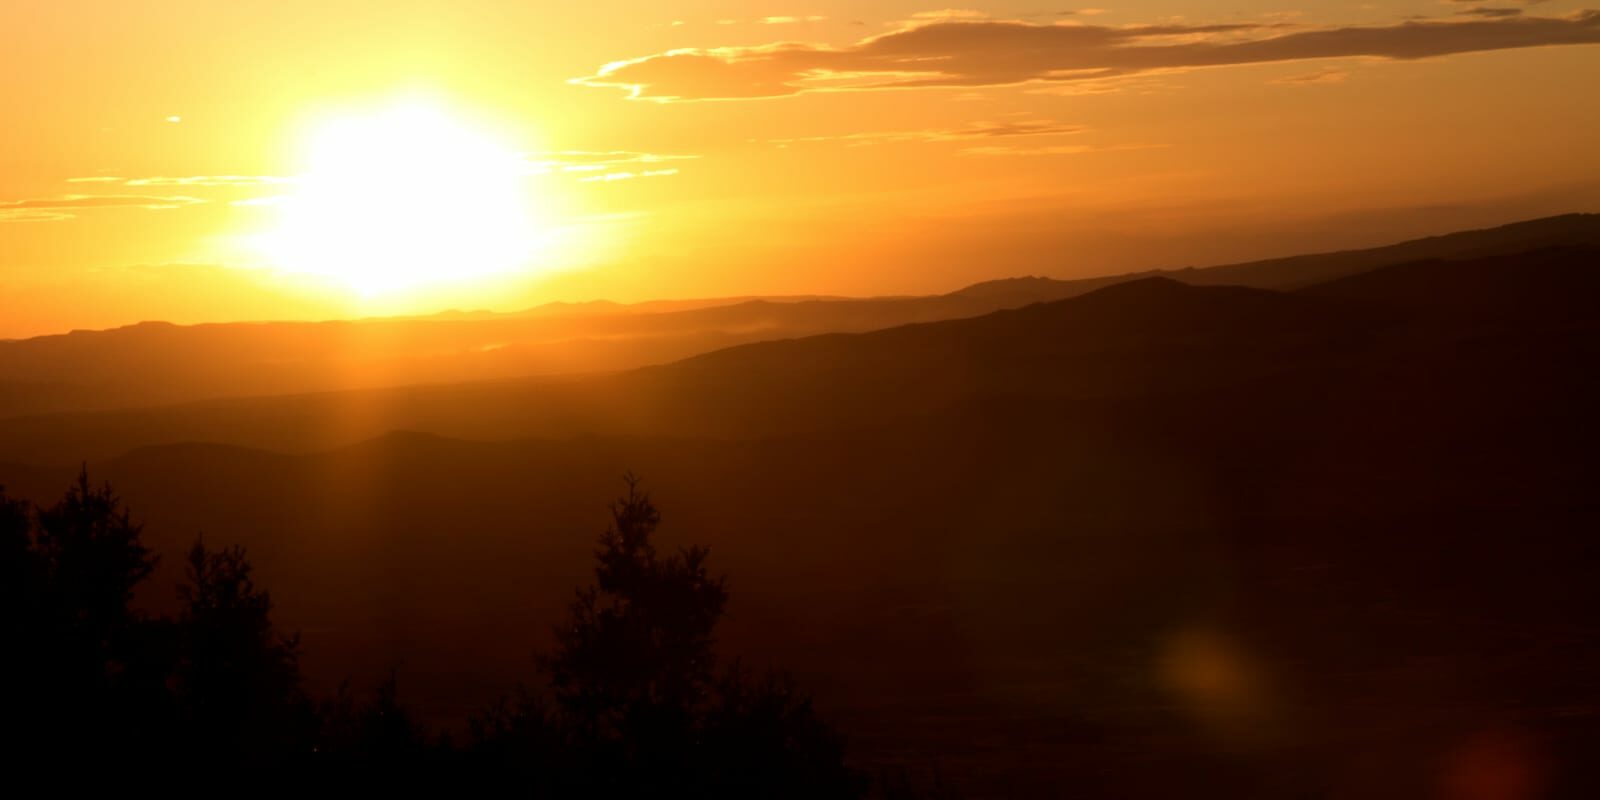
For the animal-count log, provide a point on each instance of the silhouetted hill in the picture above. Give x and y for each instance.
(1555, 283)
(1151, 337)
(1155, 536)
(158, 363)
(1137, 337)
(1299, 271)
(1034, 289)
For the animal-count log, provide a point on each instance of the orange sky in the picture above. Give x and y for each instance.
(717, 148)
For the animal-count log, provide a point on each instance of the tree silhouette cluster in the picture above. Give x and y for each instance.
(634, 700)
(640, 705)
(91, 677)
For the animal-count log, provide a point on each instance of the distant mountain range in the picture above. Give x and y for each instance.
(157, 363)
(989, 541)
(1146, 336)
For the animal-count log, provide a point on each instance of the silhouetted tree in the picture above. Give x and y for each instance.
(21, 626)
(19, 566)
(379, 744)
(640, 705)
(90, 679)
(92, 558)
(98, 668)
(521, 739)
(637, 652)
(237, 681)
(769, 741)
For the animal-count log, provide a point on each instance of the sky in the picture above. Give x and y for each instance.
(194, 161)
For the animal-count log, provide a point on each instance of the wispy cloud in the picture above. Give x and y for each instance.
(1321, 76)
(625, 176)
(1492, 13)
(586, 162)
(949, 14)
(58, 208)
(212, 180)
(32, 215)
(970, 52)
(188, 180)
(976, 131)
(1052, 149)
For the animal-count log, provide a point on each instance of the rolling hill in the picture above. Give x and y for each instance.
(156, 364)
(1362, 510)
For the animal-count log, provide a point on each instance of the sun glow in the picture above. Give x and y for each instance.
(403, 199)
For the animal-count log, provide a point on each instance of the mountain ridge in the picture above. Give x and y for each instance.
(159, 363)
(1154, 335)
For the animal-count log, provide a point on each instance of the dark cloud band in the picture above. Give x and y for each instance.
(969, 53)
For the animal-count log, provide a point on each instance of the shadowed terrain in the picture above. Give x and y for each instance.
(1335, 539)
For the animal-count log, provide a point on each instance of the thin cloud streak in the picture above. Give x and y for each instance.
(625, 176)
(1320, 77)
(103, 201)
(189, 180)
(50, 209)
(604, 162)
(212, 180)
(1054, 149)
(976, 131)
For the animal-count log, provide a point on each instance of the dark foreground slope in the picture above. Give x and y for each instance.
(1156, 539)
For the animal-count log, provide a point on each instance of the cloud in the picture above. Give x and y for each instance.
(980, 52)
(1053, 149)
(1493, 13)
(624, 176)
(950, 13)
(58, 208)
(1003, 138)
(103, 201)
(980, 130)
(31, 215)
(189, 180)
(1321, 76)
(559, 158)
(599, 165)
(211, 180)
(790, 20)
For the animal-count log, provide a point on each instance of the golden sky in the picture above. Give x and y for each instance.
(194, 160)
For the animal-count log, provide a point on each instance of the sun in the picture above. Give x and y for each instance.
(405, 198)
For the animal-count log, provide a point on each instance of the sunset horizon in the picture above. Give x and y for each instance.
(708, 153)
(884, 401)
